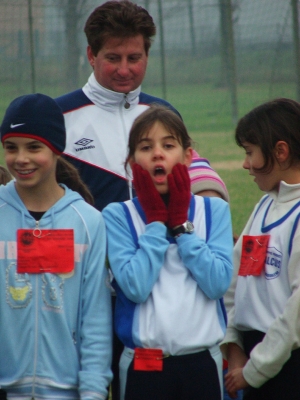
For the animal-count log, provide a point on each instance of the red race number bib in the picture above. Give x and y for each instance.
(41, 251)
(254, 251)
(148, 359)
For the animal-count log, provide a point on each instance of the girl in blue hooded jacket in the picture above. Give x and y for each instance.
(55, 313)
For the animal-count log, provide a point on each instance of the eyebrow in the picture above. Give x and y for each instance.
(112, 53)
(7, 141)
(146, 139)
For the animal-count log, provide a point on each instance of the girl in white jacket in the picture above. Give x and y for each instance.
(263, 335)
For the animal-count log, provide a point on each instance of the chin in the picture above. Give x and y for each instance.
(163, 190)
(123, 88)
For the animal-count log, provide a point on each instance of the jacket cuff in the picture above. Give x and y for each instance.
(253, 376)
(232, 336)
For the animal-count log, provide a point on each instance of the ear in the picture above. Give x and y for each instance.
(90, 56)
(188, 156)
(281, 151)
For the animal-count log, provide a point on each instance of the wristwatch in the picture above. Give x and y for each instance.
(187, 227)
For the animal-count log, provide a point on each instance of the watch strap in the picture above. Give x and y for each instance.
(187, 227)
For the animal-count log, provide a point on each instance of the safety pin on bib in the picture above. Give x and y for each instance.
(38, 233)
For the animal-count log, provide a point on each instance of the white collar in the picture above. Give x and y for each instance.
(106, 98)
(286, 192)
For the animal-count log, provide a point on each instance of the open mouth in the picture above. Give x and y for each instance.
(159, 171)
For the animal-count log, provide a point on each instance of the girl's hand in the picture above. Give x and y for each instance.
(148, 196)
(180, 195)
(235, 381)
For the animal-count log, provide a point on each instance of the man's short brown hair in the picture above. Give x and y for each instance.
(118, 19)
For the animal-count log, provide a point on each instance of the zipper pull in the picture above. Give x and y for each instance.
(37, 232)
(126, 105)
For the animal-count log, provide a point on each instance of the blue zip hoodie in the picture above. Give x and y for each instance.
(55, 329)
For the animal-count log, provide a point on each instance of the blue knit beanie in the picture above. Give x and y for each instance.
(35, 116)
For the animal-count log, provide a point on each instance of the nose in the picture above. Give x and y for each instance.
(246, 164)
(123, 69)
(158, 152)
(21, 157)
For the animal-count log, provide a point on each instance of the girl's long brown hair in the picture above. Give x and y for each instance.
(66, 173)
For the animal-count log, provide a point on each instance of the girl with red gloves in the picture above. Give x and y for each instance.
(170, 256)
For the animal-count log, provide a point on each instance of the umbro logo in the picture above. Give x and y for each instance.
(84, 142)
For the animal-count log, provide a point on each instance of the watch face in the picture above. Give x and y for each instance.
(189, 226)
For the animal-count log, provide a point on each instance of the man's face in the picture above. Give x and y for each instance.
(120, 64)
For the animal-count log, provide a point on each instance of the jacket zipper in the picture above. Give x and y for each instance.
(36, 326)
(129, 182)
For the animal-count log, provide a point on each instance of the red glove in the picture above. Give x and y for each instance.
(148, 196)
(180, 195)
